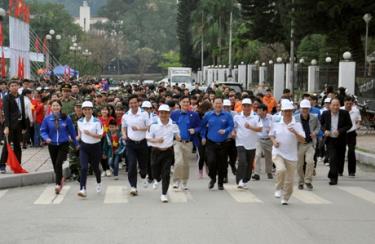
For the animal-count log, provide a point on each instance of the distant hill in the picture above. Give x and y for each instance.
(72, 6)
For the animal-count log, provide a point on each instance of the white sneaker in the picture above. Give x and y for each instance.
(241, 185)
(116, 178)
(82, 193)
(120, 166)
(145, 183)
(133, 191)
(98, 187)
(164, 198)
(108, 173)
(103, 174)
(278, 193)
(284, 201)
(155, 185)
(176, 185)
(185, 187)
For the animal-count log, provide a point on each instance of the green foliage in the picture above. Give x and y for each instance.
(170, 59)
(313, 47)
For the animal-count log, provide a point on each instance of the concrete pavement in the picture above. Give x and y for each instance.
(338, 214)
(38, 163)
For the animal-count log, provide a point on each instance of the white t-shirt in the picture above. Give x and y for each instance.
(141, 120)
(246, 137)
(167, 132)
(93, 125)
(288, 144)
(355, 116)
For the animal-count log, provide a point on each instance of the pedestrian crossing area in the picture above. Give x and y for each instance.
(119, 194)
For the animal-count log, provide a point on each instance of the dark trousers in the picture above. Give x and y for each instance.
(89, 153)
(149, 167)
(15, 137)
(245, 164)
(58, 154)
(202, 156)
(231, 156)
(161, 167)
(351, 142)
(336, 155)
(104, 161)
(216, 161)
(136, 152)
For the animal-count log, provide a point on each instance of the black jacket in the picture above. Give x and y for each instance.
(344, 123)
(12, 115)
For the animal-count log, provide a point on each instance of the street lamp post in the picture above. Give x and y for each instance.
(50, 36)
(367, 18)
(328, 61)
(86, 54)
(301, 62)
(75, 48)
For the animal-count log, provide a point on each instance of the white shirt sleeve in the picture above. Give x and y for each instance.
(99, 128)
(123, 122)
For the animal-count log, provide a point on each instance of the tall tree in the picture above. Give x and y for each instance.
(184, 32)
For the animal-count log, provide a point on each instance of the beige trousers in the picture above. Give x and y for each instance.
(182, 153)
(305, 153)
(285, 170)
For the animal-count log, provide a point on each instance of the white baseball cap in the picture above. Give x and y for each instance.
(286, 105)
(327, 100)
(246, 101)
(164, 107)
(227, 102)
(146, 104)
(87, 104)
(305, 104)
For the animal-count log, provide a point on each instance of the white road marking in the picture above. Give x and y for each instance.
(359, 192)
(309, 197)
(49, 196)
(241, 196)
(2, 193)
(177, 196)
(116, 194)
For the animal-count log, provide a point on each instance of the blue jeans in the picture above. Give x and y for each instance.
(113, 163)
(36, 135)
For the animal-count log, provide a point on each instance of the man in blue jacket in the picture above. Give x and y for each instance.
(189, 124)
(215, 128)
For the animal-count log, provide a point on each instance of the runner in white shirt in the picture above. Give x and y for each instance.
(160, 137)
(285, 136)
(147, 106)
(90, 132)
(351, 136)
(135, 123)
(246, 127)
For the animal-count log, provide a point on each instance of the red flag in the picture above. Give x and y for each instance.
(19, 68)
(3, 63)
(22, 69)
(13, 163)
(18, 9)
(27, 18)
(10, 7)
(45, 45)
(37, 44)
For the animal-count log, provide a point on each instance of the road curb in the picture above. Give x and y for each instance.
(365, 158)
(34, 178)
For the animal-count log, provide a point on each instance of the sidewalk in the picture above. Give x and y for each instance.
(366, 149)
(37, 162)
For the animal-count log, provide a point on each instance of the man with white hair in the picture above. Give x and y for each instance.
(306, 149)
(285, 135)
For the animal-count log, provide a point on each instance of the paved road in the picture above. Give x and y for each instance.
(339, 214)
